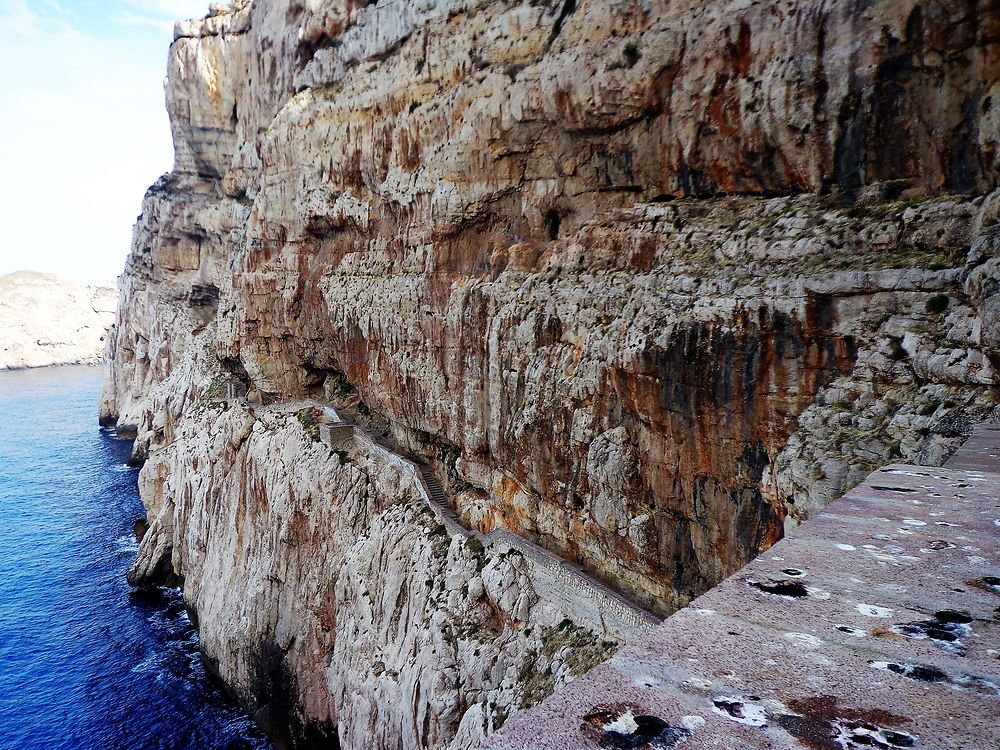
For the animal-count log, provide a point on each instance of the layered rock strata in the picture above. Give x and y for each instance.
(45, 320)
(642, 282)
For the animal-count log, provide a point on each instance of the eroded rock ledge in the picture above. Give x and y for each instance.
(643, 283)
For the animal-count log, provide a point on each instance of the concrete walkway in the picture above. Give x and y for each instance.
(568, 586)
(873, 626)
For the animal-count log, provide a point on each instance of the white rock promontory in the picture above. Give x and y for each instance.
(46, 320)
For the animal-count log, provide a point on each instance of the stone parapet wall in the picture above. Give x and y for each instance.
(871, 625)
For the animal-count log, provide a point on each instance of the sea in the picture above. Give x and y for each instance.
(86, 663)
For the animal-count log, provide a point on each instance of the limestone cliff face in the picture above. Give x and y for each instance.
(642, 281)
(327, 595)
(45, 320)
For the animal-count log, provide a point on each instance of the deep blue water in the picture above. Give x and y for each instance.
(86, 664)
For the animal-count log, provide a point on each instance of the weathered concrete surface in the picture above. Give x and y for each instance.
(874, 625)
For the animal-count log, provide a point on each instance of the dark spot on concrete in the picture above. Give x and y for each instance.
(812, 733)
(951, 615)
(919, 672)
(945, 631)
(790, 589)
(622, 729)
(732, 707)
(987, 583)
(898, 739)
(940, 544)
(862, 734)
(851, 631)
(820, 723)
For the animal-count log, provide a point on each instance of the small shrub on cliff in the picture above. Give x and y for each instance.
(475, 546)
(309, 419)
(216, 390)
(500, 715)
(630, 56)
(586, 650)
(339, 386)
(513, 70)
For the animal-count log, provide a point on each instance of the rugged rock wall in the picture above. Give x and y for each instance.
(327, 595)
(644, 281)
(45, 320)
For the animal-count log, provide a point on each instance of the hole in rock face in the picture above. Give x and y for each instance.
(886, 488)
(553, 221)
(623, 729)
(790, 589)
(793, 572)
(937, 304)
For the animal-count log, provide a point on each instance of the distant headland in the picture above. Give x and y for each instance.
(47, 320)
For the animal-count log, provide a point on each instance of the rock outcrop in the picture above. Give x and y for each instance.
(643, 282)
(330, 599)
(45, 320)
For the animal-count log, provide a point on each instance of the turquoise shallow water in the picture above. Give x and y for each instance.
(85, 663)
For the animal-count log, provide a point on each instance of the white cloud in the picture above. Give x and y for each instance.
(128, 18)
(160, 13)
(17, 19)
(83, 132)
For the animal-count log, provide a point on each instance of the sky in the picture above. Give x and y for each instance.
(83, 128)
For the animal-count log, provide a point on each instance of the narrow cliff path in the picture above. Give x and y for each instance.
(591, 602)
(875, 624)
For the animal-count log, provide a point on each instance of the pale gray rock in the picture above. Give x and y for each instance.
(46, 320)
